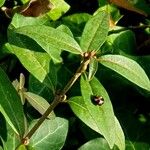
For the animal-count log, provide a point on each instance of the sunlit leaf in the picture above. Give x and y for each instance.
(128, 68)
(94, 36)
(99, 118)
(48, 36)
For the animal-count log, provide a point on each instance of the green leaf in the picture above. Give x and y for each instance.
(10, 105)
(119, 136)
(60, 7)
(128, 68)
(48, 37)
(50, 135)
(133, 145)
(38, 102)
(94, 36)
(2, 2)
(99, 118)
(65, 29)
(96, 144)
(93, 66)
(36, 62)
(20, 21)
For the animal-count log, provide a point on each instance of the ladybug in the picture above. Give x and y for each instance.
(97, 100)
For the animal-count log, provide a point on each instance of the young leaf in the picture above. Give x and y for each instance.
(10, 105)
(50, 135)
(38, 102)
(99, 118)
(47, 36)
(95, 144)
(128, 68)
(94, 36)
(93, 66)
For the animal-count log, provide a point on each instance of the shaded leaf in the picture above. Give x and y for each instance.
(132, 145)
(10, 105)
(99, 118)
(94, 36)
(38, 102)
(48, 36)
(50, 135)
(128, 68)
(95, 144)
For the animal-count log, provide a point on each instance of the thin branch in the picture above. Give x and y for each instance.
(59, 97)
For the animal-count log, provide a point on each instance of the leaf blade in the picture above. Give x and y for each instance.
(48, 36)
(99, 118)
(13, 112)
(50, 135)
(93, 37)
(128, 68)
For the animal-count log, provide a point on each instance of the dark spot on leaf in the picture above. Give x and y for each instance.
(97, 100)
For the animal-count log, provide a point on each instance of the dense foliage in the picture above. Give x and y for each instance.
(74, 75)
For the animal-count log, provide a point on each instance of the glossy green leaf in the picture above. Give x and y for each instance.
(128, 68)
(60, 7)
(119, 136)
(38, 102)
(48, 36)
(99, 118)
(50, 135)
(10, 105)
(93, 66)
(95, 144)
(2, 2)
(94, 36)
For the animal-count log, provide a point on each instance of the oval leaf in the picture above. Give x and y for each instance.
(50, 135)
(128, 68)
(94, 36)
(38, 102)
(47, 36)
(10, 105)
(99, 118)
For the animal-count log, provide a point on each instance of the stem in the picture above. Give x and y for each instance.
(60, 96)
